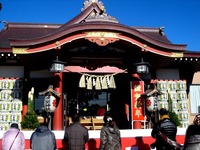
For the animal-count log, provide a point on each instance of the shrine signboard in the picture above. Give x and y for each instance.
(137, 102)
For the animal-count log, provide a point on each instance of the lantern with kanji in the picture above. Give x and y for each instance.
(50, 103)
(152, 99)
(152, 103)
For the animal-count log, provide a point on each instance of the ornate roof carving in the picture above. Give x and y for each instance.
(87, 3)
(97, 15)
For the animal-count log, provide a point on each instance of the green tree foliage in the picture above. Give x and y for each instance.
(172, 115)
(30, 121)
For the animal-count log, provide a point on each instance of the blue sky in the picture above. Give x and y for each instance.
(180, 18)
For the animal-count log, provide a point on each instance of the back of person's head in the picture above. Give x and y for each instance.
(14, 125)
(197, 119)
(75, 117)
(44, 123)
(163, 111)
(107, 117)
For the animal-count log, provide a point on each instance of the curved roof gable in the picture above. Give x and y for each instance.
(63, 31)
(93, 10)
(93, 17)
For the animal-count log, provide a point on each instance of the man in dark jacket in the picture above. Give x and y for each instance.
(192, 136)
(110, 135)
(167, 127)
(76, 135)
(43, 139)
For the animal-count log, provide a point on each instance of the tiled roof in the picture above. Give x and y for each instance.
(93, 16)
(156, 33)
(24, 31)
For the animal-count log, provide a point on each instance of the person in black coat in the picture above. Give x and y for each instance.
(192, 136)
(43, 138)
(76, 135)
(109, 135)
(167, 127)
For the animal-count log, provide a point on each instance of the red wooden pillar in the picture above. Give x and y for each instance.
(58, 114)
(25, 100)
(24, 111)
(25, 91)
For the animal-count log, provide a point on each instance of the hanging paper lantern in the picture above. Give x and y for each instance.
(151, 103)
(50, 103)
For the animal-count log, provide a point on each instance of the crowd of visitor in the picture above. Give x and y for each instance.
(76, 136)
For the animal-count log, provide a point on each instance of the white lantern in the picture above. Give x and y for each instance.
(151, 103)
(50, 103)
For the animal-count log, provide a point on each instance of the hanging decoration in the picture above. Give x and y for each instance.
(82, 82)
(98, 82)
(152, 98)
(151, 103)
(50, 101)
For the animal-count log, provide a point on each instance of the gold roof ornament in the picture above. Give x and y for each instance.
(102, 38)
(20, 50)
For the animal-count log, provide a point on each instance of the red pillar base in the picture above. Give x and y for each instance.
(137, 125)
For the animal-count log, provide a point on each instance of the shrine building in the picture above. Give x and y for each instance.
(92, 64)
